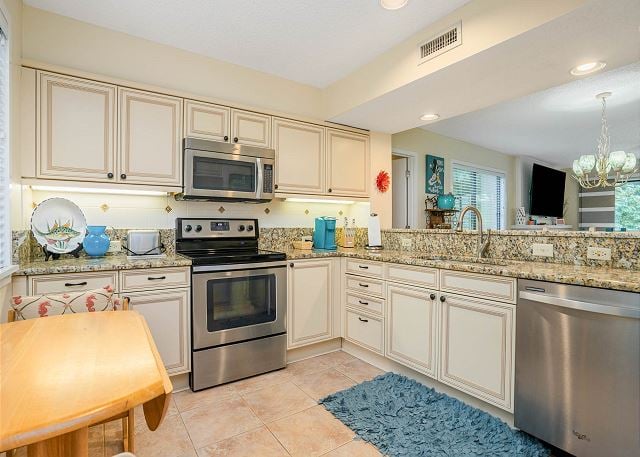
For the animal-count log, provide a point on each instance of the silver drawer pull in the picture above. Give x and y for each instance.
(73, 284)
(363, 320)
(363, 302)
(364, 267)
(363, 285)
(156, 278)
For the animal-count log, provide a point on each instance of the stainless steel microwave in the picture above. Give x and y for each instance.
(217, 171)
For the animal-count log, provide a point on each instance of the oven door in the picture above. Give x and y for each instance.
(238, 302)
(222, 175)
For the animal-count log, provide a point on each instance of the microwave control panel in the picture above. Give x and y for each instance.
(267, 183)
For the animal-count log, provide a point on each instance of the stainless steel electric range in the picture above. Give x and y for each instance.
(238, 300)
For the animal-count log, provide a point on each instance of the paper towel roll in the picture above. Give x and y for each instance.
(375, 239)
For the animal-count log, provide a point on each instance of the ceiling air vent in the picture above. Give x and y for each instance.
(440, 43)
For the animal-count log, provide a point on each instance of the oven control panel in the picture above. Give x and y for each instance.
(217, 228)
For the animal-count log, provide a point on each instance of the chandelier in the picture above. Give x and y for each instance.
(611, 168)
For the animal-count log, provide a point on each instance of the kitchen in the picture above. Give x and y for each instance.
(162, 125)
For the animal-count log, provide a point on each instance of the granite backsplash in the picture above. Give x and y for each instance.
(569, 247)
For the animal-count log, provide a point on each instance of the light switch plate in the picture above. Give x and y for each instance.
(115, 246)
(595, 253)
(542, 249)
(406, 243)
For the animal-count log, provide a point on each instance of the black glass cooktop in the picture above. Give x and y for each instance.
(227, 257)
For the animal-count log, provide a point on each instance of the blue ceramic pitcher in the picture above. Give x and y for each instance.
(446, 201)
(96, 243)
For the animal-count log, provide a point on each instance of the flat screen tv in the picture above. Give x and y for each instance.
(547, 191)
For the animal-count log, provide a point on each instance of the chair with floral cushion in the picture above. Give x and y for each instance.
(36, 306)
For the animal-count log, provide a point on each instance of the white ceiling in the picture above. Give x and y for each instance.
(314, 42)
(559, 124)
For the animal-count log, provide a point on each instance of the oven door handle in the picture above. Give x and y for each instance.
(239, 266)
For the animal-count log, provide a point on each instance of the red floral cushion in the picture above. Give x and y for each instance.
(67, 303)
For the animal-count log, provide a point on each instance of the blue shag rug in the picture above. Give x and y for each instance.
(402, 417)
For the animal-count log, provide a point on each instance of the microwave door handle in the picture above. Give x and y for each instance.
(260, 179)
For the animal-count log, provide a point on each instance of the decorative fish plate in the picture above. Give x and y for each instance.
(59, 224)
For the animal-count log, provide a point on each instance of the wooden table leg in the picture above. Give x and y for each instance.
(155, 409)
(72, 444)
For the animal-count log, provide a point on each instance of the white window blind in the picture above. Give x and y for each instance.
(483, 189)
(5, 226)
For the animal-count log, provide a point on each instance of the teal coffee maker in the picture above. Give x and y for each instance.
(324, 234)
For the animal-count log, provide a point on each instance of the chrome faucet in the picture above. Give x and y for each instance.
(482, 241)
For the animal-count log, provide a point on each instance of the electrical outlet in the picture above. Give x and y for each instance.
(542, 249)
(115, 246)
(407, 243)
(595, 253)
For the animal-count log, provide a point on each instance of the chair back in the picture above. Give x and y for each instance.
(28, 307)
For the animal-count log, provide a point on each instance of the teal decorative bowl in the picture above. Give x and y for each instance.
(446, 201)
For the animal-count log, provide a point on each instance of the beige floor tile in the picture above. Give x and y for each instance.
(264, 380)
(140, 422)
(359, 371)
(335, 358)
(311, 432)
(209, 424)
(187, 399)
(307, 366)
(276, 402)
(356, 448)
(169, 440)
(319, 385)
(258, 443)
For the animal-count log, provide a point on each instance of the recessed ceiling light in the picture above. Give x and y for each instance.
(393, 4)
(430, 117)
(587, 68)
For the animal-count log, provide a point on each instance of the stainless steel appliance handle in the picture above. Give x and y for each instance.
(260, 174)
(581, 305)
(240, 266)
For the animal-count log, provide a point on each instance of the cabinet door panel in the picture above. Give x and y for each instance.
(150, 138)
(249, 128)
(310, 302)
(167, 314)
(300, 160)
(347, 164)
(477, 348)
(77, 132)
(412, 328)
(206, 121)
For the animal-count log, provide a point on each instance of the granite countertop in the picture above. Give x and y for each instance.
(84, 264)
(602, 277)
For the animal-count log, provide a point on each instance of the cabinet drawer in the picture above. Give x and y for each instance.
(365, 285)
(364, 268)
(415, 276)
(72, 282)
(154, 278)
(365, 330)
(479, 285)
(373, 305)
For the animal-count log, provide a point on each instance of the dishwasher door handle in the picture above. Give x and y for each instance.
(581, 305)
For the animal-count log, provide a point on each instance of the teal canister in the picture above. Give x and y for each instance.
(446, 201)
(96, 243)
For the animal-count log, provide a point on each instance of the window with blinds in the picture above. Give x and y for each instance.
(484, 189)
(5, 227)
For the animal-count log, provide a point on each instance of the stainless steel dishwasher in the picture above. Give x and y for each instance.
(577, 382)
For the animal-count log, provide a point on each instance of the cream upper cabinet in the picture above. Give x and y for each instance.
(412, 327)
(309, 307)
(76, 139)
(206, 121)
(300, 157)
(249, 128)
(477, 348)
(150, 138)
(347, 164)
(167, 314)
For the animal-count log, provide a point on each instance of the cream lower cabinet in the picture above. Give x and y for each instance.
(167, 315)
(310, 301)
(412, 327)
(477, 348)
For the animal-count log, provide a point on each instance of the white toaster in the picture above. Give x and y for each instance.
(143, 242)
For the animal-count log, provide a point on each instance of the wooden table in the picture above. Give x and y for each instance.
(60, 374)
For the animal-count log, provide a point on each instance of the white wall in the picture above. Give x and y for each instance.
(381, 203)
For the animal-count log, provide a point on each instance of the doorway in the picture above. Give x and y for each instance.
(402, 177)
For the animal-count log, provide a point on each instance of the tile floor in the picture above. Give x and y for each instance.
(272, 415)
